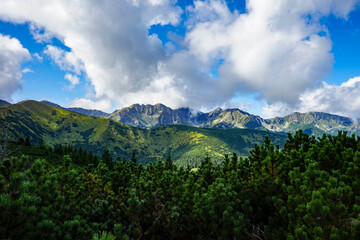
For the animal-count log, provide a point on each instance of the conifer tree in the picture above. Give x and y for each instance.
(107, 159)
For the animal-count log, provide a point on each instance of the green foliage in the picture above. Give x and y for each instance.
(103, 236)
(308, 190)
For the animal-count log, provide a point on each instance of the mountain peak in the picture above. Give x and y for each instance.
(135, 105)
(216, 110)
(160, 105)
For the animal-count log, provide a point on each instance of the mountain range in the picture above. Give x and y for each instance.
(187, 145)
(154, 131)
(153, 116)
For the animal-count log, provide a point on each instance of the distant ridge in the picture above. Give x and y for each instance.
(89, 112)
(3, 102)
(52, 104)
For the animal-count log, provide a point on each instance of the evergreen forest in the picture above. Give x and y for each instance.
(309, 189)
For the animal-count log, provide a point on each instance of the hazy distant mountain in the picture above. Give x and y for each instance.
(52, 104)
(151, 116)
(3, 102)
(312, 123)
(89, 112)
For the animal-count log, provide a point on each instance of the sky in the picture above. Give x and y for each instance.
(267, 57)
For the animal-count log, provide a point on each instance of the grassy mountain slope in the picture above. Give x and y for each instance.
(187, 145)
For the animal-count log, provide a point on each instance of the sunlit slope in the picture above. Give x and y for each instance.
(187, 145)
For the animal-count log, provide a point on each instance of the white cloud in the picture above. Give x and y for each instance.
(341, 99)
(110, 37)
(38, 57)
(12, 55)
(73, 79)
(276, 109)
(161, 88)
(67, 61)
(90, 104)
(273, 49)
(27, 70)
(40, 35)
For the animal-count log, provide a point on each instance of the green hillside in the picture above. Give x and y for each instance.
(185, 144)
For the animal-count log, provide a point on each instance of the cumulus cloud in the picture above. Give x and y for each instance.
(27, 70)
(40, 35)
(163, 87)
(276, 109)
(73, 79)
(86, 103)
(272, 49)
(12, 55)
(110, 37)
(278, 48)
(67, 61)
(38, 57)
(341, 99)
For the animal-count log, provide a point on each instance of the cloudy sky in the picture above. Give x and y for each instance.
(268, 57)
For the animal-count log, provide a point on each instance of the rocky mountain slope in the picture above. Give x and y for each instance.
(152, 116)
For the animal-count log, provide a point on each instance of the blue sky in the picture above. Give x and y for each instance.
(267, 58)
(345, 36)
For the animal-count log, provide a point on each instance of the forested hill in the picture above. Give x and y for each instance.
(186, 144)
(308, 190)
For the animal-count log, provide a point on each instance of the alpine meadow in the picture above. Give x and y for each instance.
(169, 119)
